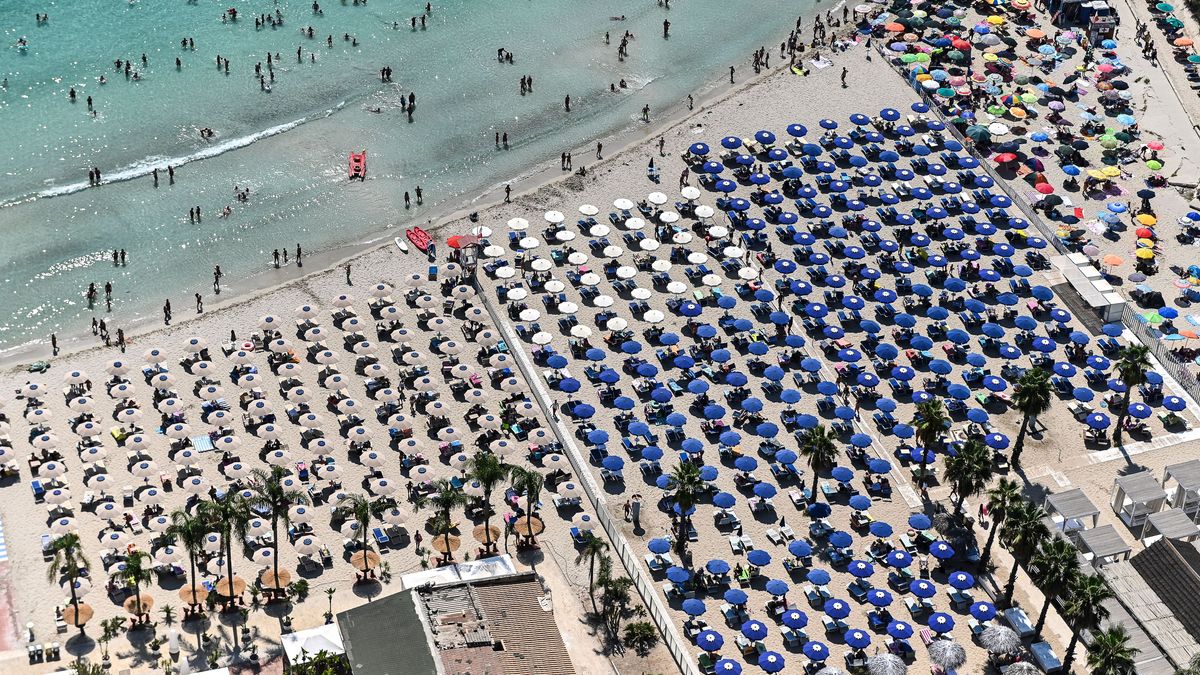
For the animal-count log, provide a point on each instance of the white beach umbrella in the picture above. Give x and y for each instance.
(137, 442)
(162, 381)
(542, 338)
(170, 406)
(697, 258)
(554, 217)
(114, 539)
(195, 345)
(150, 495)
(299, 395)
(108, 511)
(280, 458)
(602, 300)
(381, 290)
(384, 487)
(178, 431)
(154, 355)
(212, 542)
(580, 331)
(249, 381)
(577, 258)
(144, 469)
(518, 224)
(93, 453)
(168, 555)
(599, 230)
(45, 441)
(712, 280)
(540, 264)
(268, 322)
(676, 287)
(196, 484)
(681, 237)
(158, 523)
(123, 390)
(690, 192)
(564, 235)
(588, 209)
(343, 300)
(81, 404)
(307, 545)
(623, 204)
(653, 316)
(493, 251)
(567, 490)
(634, 223)
(117, 367)
(62, 526)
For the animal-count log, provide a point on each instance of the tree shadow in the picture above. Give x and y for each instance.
(368, 589)
(80, 645)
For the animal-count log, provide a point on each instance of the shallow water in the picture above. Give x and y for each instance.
(289, 146)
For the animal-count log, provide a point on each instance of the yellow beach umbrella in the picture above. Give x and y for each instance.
(1146, 219)
(1096, 174)
(995, 19)
(1111, 171)
(1144, 253)
(990, 57)
(1148, 243)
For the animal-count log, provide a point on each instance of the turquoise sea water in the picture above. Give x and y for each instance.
(289, 145)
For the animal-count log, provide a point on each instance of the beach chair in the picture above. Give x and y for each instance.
(380, 537)
(735, 544)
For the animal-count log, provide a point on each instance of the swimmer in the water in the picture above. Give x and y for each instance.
(617, 18)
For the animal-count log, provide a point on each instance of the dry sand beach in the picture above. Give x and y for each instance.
(1056, 458)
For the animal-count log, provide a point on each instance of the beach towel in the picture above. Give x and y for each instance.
(819, 64)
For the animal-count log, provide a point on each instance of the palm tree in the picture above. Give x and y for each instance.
(1110, 652)
(188, 531)
(487, 468)
(928, 424)
(686, 481)
(229, 517)
(1132, 364)
(593, 548)
(1032, 397)
(362, 509)
(445, 498)
(68, 562)
(1083, 609)
(1002, 499)
(274, 499)
(137, 572)
(969, 471)
(529, 481)
(819, 446)
(1022, 533)
(1052, 566)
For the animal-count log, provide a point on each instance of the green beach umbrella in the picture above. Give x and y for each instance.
(1174, 23)
(1154, 165)
(908, 58)
(1123, 137)
(922, 57)
(1193, 58)
(946, 92)
(1164, 7)
(1153, 317)
(979, 133)
(1028, 98)
(1109, 142)
(953, 21)
(956, 55)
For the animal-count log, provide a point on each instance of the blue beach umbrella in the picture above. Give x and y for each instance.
(736, 596)
(710, 640)
(754, 630)
(941, 622)
(816, 651)
(694, 607)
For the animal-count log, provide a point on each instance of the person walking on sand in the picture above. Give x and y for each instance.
(507, 193)
(167, 312)
(599, 149)
(299, 255)
(662, 143)
(53, 344)
(691, 102)
(567, 103)
(844, 72)
(121, 339)
(217, 279)
(348, 281)
(730, 74)
(199, 303)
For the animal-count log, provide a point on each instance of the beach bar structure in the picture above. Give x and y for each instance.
(1072, 510)
(1172, 524)
(1182, 485)
(1137, 495)
(1101, 545)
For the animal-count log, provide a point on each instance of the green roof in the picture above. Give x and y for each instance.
(386, 637)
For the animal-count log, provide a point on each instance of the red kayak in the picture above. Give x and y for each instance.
(358, 165)
(419, 238)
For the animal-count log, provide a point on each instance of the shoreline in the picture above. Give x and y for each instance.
(524, 185)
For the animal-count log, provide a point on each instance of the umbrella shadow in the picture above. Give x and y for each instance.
(367, 590)
(80, 645)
